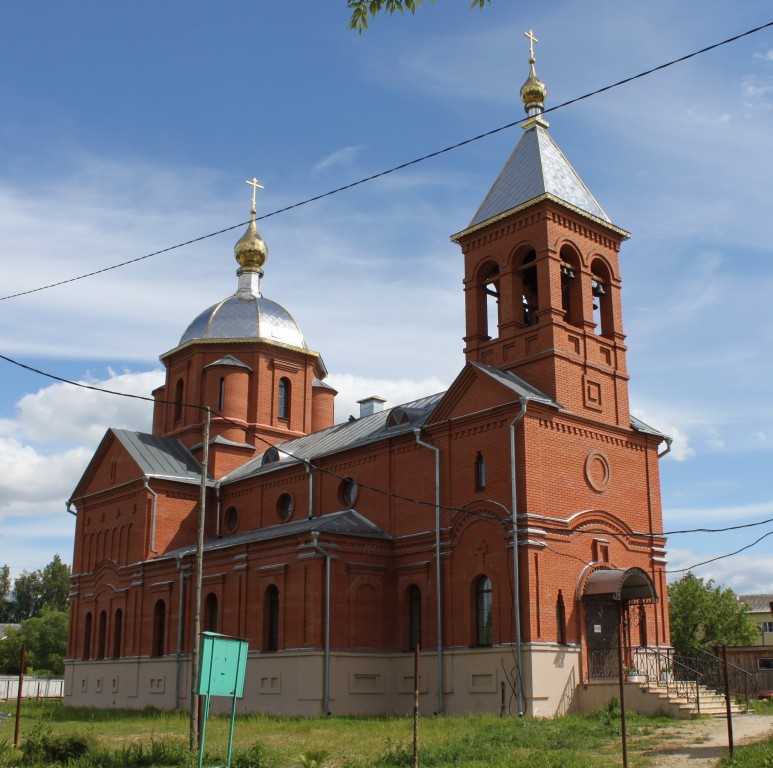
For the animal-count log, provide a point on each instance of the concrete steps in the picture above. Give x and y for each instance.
(678, 705)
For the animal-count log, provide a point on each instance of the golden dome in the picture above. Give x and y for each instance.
(533, 91)
(251, 251)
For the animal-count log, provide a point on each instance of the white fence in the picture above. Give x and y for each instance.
(33, 688)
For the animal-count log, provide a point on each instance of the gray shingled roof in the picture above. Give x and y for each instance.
(160, 456)
(535, 168)
(340, 437)
(345, 522)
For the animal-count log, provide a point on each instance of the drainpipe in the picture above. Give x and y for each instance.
(438, 573)
(311, 489)
(68, 504)
(217, 513)
(153, 520)
(179, 559)
(326, 662)
(669, 442)
(516, 585)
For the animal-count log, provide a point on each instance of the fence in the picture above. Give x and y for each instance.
(32, 688)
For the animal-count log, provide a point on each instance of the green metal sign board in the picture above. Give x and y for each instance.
(223, 665)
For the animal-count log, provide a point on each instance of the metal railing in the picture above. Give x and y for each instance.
(661, 668)
(740, 681)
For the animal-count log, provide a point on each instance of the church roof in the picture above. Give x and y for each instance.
(536, 168)
(346, 522)
(160, 456)
(246, 315)
(340, 437)
(516, 384)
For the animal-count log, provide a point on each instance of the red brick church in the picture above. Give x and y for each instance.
(498, 525)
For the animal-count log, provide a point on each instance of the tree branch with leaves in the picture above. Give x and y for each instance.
(363, 10)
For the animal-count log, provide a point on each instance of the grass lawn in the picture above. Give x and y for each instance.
(131, 738)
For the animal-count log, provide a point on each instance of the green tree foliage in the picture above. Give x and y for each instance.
(363, 9)
(704, 615)
(45, 638)
(32, 592)
(6, 596)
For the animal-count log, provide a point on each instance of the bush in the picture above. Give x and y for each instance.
(256, 756)
(42, 747)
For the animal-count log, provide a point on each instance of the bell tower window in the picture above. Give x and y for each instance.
(530, 292)
(602, 299)
(491, 291)
(480, 472)
(571, 295)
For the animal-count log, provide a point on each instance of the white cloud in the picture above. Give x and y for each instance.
(748, 573)
(352, 388)
(757, 91)
(766, 56)
(719, 516)
(341, 157)
(680, 445)
(63, 412)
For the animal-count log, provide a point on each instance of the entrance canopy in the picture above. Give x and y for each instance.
(619, 584)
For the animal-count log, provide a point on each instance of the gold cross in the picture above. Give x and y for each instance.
(532, 40)
(255, 186)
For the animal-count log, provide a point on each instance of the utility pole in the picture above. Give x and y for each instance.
(193, 739)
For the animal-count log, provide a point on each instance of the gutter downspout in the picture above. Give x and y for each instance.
(669, 442)
(516, 584)
(178, 661)
(68, 504)
(438, 574)
(153, 519)
(311, 489)
(326, 662)
(217, 513)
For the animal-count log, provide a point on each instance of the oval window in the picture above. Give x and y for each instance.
(231, 519)
(284, 507)
(348, 492)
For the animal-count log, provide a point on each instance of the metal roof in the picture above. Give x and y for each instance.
(160, 456)
(536, 167)
(340, 437)
(516, 384)
(640, 426)
(631, 584)
(757, 603)
(345, 522)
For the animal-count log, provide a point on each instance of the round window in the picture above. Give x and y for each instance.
(348, 492)
(231, 519)
(284, 507)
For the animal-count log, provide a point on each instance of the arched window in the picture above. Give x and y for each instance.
(210, 613)
(414, 616)
(271, 619)
(571, 290)
(102, 635)
(491, 291)
(283, 404)
(87, 636)
(560, 620)
(159, 628)
(483, 612)
(602, 299)
(221, 394)
(530, 294)
(178, 400)
(480, 472)
(117, 633)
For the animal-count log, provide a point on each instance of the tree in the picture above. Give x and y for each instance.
(361, 9)
(6, 596)
(706, 616)
(45, 638)
(34, 591)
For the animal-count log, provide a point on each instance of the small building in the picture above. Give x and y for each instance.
(510, 527)
(761, 612)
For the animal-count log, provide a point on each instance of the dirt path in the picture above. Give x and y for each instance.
(701, 743)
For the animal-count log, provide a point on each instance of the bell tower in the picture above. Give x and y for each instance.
(542, 278)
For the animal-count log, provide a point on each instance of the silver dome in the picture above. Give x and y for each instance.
(246, 316)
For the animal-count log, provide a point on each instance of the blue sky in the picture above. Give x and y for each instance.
(126, 129)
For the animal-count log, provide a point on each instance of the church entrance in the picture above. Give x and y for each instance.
(611, 597)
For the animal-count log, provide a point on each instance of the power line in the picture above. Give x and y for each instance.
(394, 169)
(389, 494)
